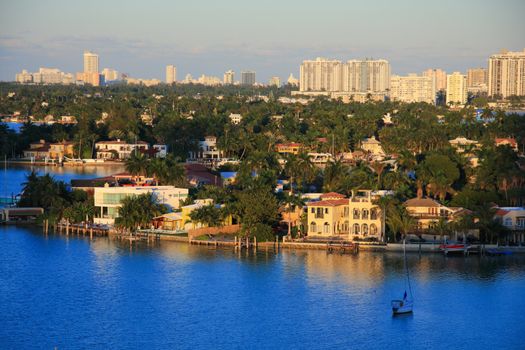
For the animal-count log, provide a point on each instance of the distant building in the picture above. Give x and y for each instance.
(506, 76)
(110, 74)
(293, 81)
(366, 76)
(235, 118)
(247, 78)
(229, 77)
(171, 74)
(477, 79)
(161, 151)
(456, 88)
(507, 142)
(119, 149)
(372, 146)
(90, 62)
(275, 81)
(412, 88)
(288, 148)
(439, 77)
(45, 76)
(462, 144)
(321, 74)
(209, 80)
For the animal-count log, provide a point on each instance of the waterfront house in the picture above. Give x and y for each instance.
(328, 216)
(59, 150)
(168, 221)
(365, 215)
(208, 154)
(38, 150)
(119, 149)
(513, 218)
(357, 217)
(108, 199)
(428, 212)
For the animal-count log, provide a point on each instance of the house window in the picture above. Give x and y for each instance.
(345, 226)
(365, 214)
(313, 227)
(313, 211)
(356, 229)
(507, 222)
(326, 228)
(373, 229)
(356, 213)
(326, 210)
(373, 214)
(365, 229)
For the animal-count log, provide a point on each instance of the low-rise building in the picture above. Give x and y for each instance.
(119, 149)
(59, 150)
(357, 217)
(288, 148)
(38, 150)
(161, 151)
(235, 118)
(428, 212)
(462, 144)
(513, 218)
(372, 146)
(108, 199)
(507, 141)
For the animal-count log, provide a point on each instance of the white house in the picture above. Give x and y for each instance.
(108, 199)
(118, 149)
(235, 118)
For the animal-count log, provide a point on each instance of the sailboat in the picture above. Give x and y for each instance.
(405, 305)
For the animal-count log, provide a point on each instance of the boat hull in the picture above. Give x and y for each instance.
(402, 307)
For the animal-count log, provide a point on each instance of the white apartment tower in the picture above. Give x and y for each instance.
(320, 74)
(456, 88)
(90, 62)
(366, 76)
(412, 88)
(171, 74)
(506, 75)
(229, 77)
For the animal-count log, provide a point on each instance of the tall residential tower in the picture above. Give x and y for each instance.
(507, 74)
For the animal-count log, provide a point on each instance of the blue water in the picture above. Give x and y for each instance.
(73, 293)
(13, 176)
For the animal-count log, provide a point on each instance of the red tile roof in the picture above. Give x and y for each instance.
(328, 203)
(332, 195)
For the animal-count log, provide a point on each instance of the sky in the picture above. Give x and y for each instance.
(271, 37)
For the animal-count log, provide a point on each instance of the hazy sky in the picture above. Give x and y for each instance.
(271, 37)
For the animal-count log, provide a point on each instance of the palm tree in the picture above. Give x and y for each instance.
(401, 222)
(138, 211)
(291, 202)
(136, 164)
(386, 204)
(442, 228)
(378, 168)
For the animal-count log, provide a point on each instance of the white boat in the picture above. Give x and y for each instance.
(405, 305)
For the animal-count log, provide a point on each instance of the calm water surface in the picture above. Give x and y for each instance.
(74, 293)
(13, 176)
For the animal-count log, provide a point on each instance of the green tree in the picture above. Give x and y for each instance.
(138, 211)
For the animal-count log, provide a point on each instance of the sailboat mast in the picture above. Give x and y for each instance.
(406, 268)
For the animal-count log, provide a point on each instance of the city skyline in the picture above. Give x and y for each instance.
(240, 37)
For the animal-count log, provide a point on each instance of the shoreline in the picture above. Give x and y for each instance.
(66, 164)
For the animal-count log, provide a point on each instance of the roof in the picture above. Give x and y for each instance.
(328, 203)
(422, 202)
(506, 140)
(170, 216)
(331, 195)
(290, 144)
(501, 212)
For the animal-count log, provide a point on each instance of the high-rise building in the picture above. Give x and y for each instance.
(90, 62)
(366, 76)
(274, 81)
(293, 80)
(320, 74)
(24, 77)
(229, 77)
(506, 76)
(109, 74)
(354, 76)
(439, 77)
(247, 78)
(171, 74)
(412, 88)
(456, 88)
(477, 80)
